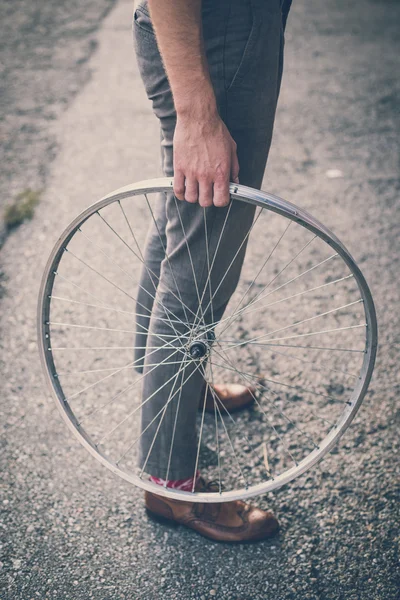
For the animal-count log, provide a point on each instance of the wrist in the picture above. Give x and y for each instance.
(198, 103)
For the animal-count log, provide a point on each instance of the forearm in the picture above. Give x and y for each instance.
(204, 152)
(178, 28)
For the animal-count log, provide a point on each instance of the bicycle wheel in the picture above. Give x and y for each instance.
(300, 330)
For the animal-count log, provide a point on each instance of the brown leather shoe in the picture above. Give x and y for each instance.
(232, 395)
(223, 522)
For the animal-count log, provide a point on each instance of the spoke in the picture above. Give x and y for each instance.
(218, 454)
(103, 276)
(320, 332)
(110, 432)
(242, 435)
(132, 364)
(316, 365)
(253, 380)
(105, 307)
(117, 287)
(129, 366)
(246, 309)
(166, 344)
(208, 265)
(308, 347)
(126, 389)
(82, 289)
(191, 264)
(92, 385)
(145, 402)
(213, 262)
(168, 261)
(298, 335)
(200, 434)
(152, 421)
(181, 370)
(161, 335)
(294, 387)
(113, 284)
(258, 299)
(128, 274)
(131, 230)
(298, 388)
(233, 259)
(174, 429)
(226, 431)
(253, 300)
(249, 375)
(211, 268)
(328, 312)
(150, 272)
(318, 287)
(264, 264)
(110, 348)
(296, 323)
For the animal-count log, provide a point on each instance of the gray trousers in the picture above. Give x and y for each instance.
(244, 46)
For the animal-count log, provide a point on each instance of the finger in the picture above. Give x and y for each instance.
(235, 167)
(192, 190)
(221, 191)
(205, 193)
(179, 185)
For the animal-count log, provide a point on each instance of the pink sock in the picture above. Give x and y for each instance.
(177, 484)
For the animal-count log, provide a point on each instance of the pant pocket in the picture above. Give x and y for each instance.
(142, 20)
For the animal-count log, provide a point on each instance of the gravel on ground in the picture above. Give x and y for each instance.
(69, 528)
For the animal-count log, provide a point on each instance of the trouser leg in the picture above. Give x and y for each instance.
(245, 68)
(153, 255)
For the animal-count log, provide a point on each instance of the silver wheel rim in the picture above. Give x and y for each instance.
(261, 199)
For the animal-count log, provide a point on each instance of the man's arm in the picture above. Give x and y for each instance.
(204, 152)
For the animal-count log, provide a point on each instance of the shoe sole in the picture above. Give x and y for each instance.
(160, 519)
(175, 524)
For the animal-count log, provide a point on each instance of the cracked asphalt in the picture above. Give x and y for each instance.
(72, 530)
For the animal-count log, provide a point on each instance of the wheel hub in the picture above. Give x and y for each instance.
(198, 349)
(201, 345)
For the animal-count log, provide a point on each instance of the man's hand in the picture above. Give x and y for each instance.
(204, 152)
(205, 160)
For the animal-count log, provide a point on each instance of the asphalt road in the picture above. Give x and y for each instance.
(69, 528)
(44, 52)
